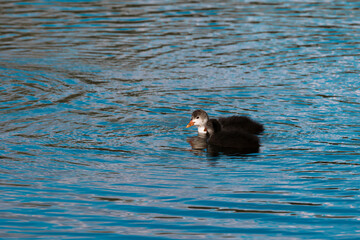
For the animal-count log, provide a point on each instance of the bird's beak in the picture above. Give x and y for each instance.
(191, 123)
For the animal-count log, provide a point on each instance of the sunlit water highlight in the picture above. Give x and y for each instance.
(95, 97)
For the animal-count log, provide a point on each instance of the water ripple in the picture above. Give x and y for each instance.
(95, 97)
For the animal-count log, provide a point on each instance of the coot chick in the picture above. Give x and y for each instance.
(230, 139)
(199, 118)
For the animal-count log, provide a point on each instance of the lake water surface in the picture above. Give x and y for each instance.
(95, 97)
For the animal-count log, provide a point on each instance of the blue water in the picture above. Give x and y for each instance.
(95, 97)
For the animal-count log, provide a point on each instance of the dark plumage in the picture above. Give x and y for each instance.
(242, 122)
(227, 139)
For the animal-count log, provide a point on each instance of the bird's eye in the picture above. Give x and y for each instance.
(197, 118)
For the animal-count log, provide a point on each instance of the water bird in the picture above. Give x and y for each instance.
(199, 118)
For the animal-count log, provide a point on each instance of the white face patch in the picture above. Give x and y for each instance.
(201, 130)
(198, 122)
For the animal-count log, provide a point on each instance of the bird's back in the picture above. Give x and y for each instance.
(241, 123)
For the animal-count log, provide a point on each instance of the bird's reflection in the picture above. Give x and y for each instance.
(214, 151)
(200, 145)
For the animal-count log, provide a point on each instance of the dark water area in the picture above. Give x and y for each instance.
(95, 97)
